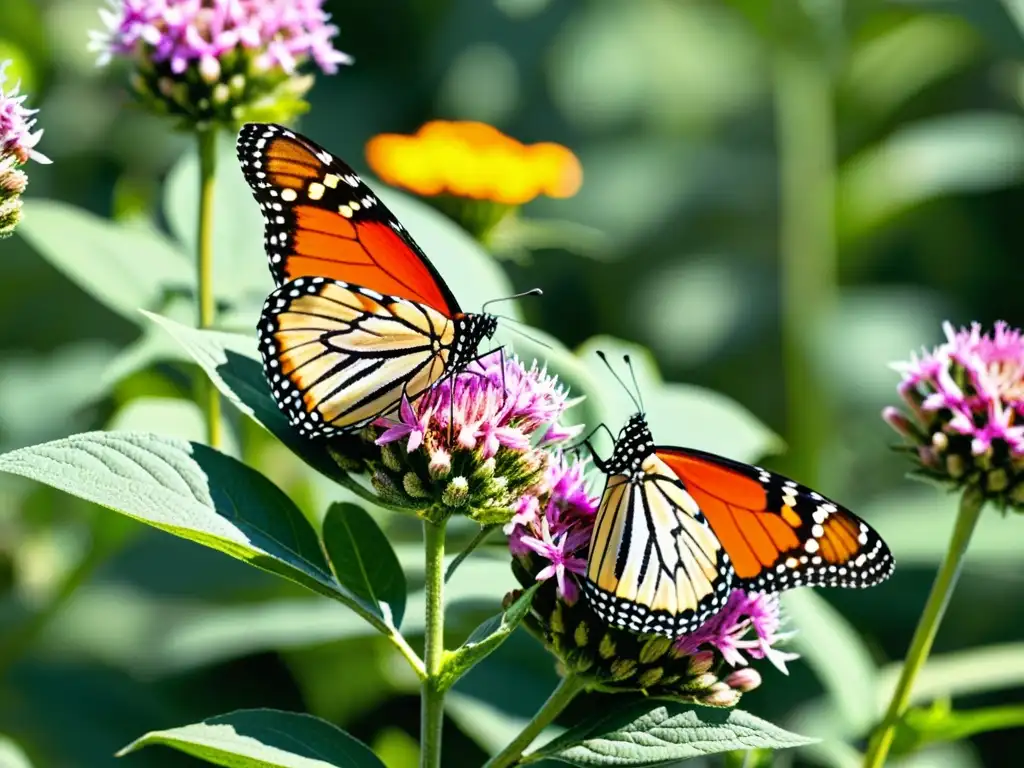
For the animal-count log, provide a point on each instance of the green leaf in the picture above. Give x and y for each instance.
(939, 156)
(485, 639)
(364, 562)
(233, 364)
(123, 266)
(264, 738)
(186, 489)
(653, 733)
(679, 414)
(940, 723)
(964, 673)
(837, 654)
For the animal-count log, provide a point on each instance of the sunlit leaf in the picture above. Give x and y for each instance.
(941, 723)
(977, 670)
(186, 489)
(264, 738)
(11, 755)
(123, 266)
(656, 733)
(364, 562)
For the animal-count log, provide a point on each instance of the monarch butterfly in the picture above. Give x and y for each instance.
(360, 316)
(677, 529)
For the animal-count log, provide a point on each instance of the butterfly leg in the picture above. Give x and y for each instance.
(598, 461)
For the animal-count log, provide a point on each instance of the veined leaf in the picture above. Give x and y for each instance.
(654, 733)
(364, 562)
(186, 489)
(264, 738)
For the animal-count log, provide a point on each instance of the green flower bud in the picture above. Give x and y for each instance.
(456, 492)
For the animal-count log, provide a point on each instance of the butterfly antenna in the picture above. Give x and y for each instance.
(523, 333)
(531, 292)
(604, 359)
(636, 386)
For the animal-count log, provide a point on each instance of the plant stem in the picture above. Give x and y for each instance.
(805, 137)
(209, 397)
(432, 697)
(557, 701)
(942, 589)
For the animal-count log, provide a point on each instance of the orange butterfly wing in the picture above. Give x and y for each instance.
(778, 533)
(321, 220)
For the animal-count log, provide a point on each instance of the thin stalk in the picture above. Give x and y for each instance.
(805, 136)
(432, 696)
(920, 646)
(209, 398)
(559, 699)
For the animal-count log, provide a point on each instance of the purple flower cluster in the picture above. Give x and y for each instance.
(17, 139)
(974, 385)
(557, 530)
(282, 33)
(749, 623)
(495, 403)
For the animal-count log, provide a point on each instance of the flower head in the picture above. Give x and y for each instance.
(549, 538)
(473, 160)
(17, 146)
(966, 404)
(473, 440)
(219, 60)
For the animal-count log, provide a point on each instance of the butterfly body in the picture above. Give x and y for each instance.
(677, 529)
(360, 317)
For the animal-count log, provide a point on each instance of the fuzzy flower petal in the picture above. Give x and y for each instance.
(17, 139)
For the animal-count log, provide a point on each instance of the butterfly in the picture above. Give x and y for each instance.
(678, 529)
(360, 317)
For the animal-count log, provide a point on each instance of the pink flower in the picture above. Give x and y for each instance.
(971, 385)
(749, 623)
(282, 33)
(411, 425)
(17, 140)
(558, 551)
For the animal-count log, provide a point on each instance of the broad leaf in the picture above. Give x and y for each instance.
(264, 738)
(233, 364)
(963, 673)
(486, 638)
(186, 489)
(654, 733)
(123, 266)
(679, 414)
(364, 562)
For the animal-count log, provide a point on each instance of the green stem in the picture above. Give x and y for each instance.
(209, 397)
(559, 699)
(805, 131)
(432, 696)
(970, 510)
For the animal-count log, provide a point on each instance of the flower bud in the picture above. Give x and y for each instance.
(701, 662)
(744, 680)
(413, 486)
(388, 490)
(721, 695)
(440, 464)
(456, 492)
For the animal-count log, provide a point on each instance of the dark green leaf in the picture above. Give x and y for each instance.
(186, 489)
(233, 364)
(264, 738)
(653, 733)
(123, 266)
(486, 638)
(364, 562)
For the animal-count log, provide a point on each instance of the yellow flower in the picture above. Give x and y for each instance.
(473, 160)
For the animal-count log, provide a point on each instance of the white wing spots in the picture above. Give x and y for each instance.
(351, 179)
(316, 190)
(345, 211)
(331, 180)
(325, 157)
(289, 195)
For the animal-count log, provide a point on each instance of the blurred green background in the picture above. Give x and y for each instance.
(789, 197)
